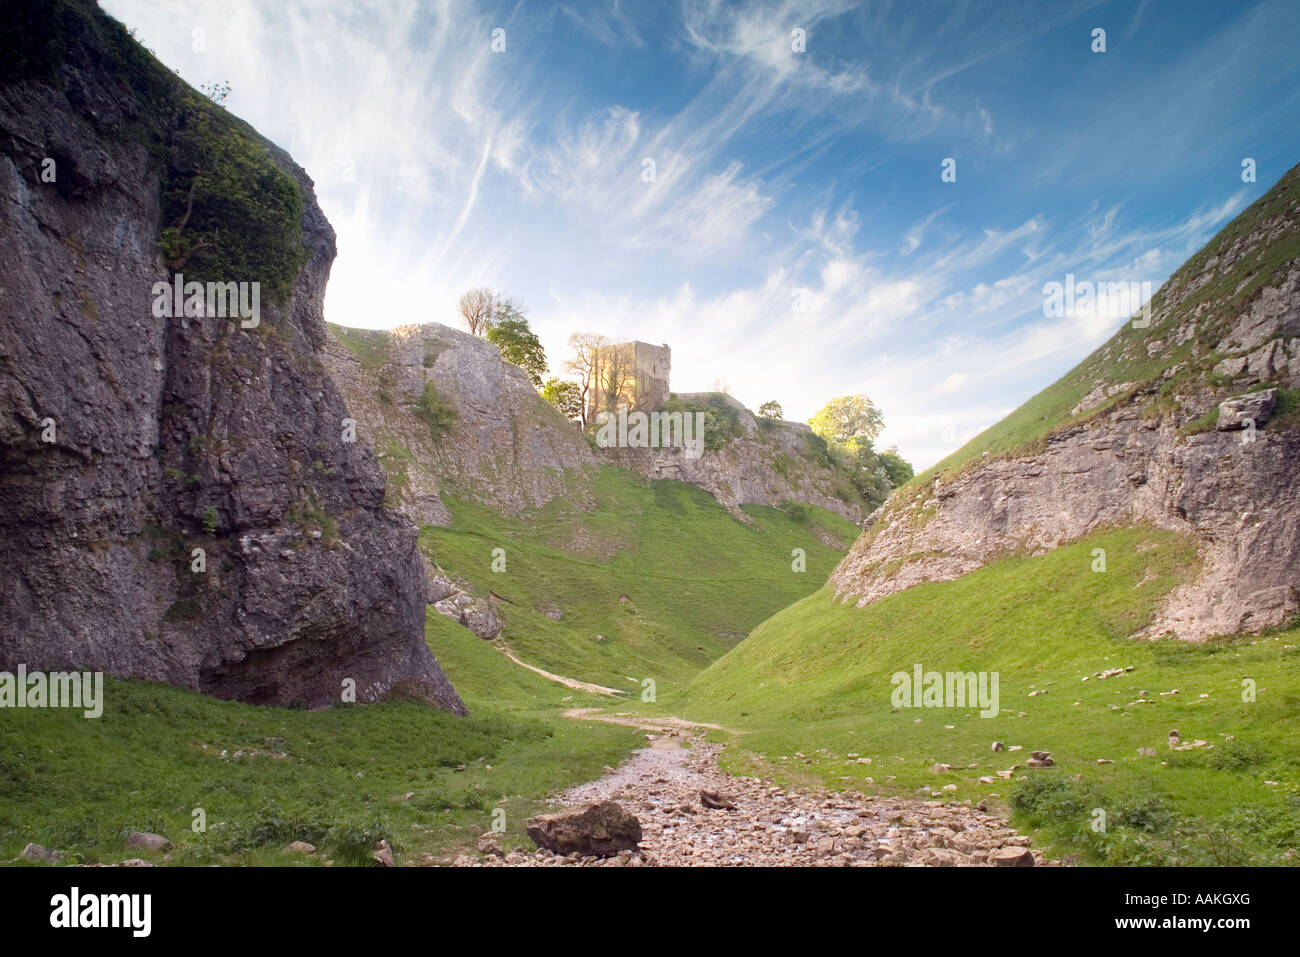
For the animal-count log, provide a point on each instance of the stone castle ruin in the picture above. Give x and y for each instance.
(631, 374)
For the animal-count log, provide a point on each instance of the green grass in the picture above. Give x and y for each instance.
(155, 756)
(816, 679)
(371, 347)
(1287, 412)
(397, 462)
(435, 412)
(242, 213)
(668, 578)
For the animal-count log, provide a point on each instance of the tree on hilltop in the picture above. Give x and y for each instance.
(848, 420)
(509, 331)
(476, 308)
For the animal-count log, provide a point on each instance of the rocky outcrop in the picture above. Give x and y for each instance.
(505, 446)
(767, 464)
(1239, 500)
(501, 443)
(180, 499)
(455, 599)
(1247, 410)
(1227, 327)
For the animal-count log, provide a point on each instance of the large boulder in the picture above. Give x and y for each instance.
(599, 830)
(479, 615)
(1255, 407)
(1012, 857)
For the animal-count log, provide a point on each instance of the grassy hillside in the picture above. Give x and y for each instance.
(812, 686)
(1209, 290)
(655, 581)
(268, 776)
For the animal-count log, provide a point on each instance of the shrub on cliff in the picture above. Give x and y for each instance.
(435, 411)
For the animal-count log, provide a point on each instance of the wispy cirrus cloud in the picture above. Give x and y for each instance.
(795, 239)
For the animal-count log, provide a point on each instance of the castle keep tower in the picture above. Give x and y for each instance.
(651, 364)
(634, 374)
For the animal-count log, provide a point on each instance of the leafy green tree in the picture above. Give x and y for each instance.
(518, 343)
(848, 420)
(565, 396)
(849, 426)
(771, 409)
(897, 468)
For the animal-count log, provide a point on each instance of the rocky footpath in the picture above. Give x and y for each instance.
(180, 500)
(1201, 446)
(690, 813)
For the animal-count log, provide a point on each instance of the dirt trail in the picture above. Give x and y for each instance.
(760, 823)
(573, 683)
(661, 724)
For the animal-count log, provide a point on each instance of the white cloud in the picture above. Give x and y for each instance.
(443, 165)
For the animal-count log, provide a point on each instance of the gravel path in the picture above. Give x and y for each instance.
(767, 825)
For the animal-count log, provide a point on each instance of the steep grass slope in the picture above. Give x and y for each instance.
(1192, 318)
(811, 690)
(1134, 435)
(654, 581)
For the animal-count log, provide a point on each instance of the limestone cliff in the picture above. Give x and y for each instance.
(179, 499)
(768, 462)
(448, 414)
(1150, 429)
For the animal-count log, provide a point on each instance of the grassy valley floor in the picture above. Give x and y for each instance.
(650, 580)
(264, 777)
(811, 689)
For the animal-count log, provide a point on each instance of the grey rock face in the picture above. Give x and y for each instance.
(1239, 499)
(1137, 462)
(747, 470)
(1255, 407)
(506, 446)
(172, 435)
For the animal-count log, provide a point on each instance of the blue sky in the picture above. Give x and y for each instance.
(796, 241)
